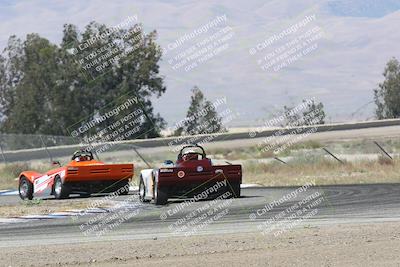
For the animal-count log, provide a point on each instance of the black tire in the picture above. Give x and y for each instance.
(60, 190)
(142, 191)
(85, 195)
(160, 196)
(237, 191)
(234, 188)
(25, 188)
(124, 188)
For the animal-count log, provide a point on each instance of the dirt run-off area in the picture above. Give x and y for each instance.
(373, 244)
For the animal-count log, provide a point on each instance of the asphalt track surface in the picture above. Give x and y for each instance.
(340, 204)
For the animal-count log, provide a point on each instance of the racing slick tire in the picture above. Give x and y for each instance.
(61, 191)
(85, 195)
(25, 188)
(160, 196)
(124, 188)
(142, 191)
(234, 188)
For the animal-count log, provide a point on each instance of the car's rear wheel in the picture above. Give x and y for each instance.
(124, 188)
(142, 191)
(85, 195)
(160, 196)
(61, 191)
(234, 189)
(25, 188)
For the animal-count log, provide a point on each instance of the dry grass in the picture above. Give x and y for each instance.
(238, 153)
(257, 152)
(9, 172)
(322, 172)
(310, 164)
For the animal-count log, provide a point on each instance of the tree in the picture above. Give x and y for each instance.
(314, 113)
(45, 89)
(32, 107)
(201, 117)
(11, 63)
(308, 113)
(387, 97)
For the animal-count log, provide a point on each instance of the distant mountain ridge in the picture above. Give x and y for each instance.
(362, 8)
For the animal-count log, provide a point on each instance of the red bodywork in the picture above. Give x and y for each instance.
(196, 173)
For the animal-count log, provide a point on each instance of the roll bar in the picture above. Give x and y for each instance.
(82, 152)
(195, 146)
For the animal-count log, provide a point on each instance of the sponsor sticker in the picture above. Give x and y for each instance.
(166, 170)
(181, 174)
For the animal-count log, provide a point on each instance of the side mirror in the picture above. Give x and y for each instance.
(168, 162)
(56, 162)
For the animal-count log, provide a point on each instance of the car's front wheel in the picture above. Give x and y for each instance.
(61, 191)
(142, 190)
(25, 188)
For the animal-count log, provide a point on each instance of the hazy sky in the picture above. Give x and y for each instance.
(334, 51)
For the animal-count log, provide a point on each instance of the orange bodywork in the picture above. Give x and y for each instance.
(96, 170)
(77, 173)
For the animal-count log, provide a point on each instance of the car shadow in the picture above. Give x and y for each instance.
(181, 200)
(77, 196)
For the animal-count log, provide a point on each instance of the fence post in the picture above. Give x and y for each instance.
(47, 151)
(281, 161)
(327, 151)
(383, 150)
(2, 154)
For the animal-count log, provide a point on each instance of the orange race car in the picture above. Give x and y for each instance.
(82, 175)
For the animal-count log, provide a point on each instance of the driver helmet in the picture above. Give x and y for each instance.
(186, 156)
(80, 157)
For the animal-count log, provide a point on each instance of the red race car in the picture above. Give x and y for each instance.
(82, 175)
(193, 175)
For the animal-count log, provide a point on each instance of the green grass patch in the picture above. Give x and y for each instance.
(10, 171)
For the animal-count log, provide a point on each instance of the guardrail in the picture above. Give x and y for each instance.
(63, 151)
